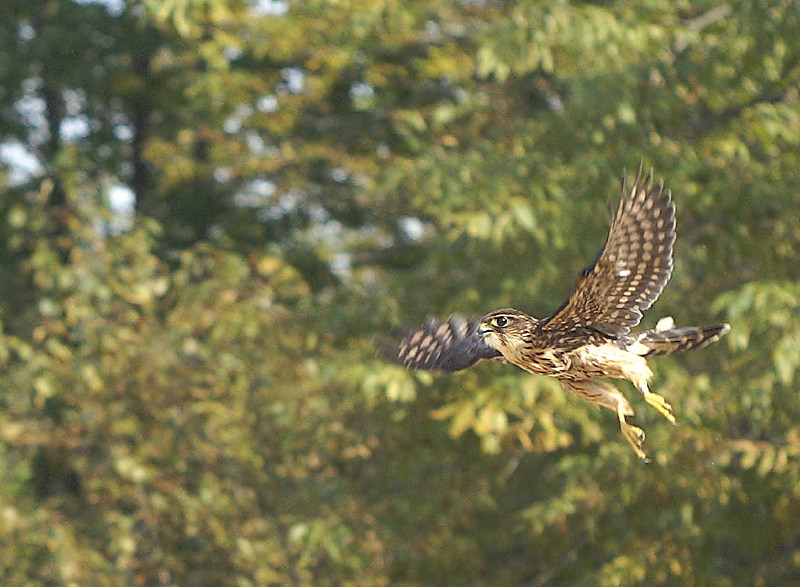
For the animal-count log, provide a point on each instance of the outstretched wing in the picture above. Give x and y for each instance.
(632, 268)
(449, 346)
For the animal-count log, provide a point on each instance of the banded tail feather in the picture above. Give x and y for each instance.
(676, 340)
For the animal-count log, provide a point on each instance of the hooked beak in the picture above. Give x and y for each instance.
(484, 329)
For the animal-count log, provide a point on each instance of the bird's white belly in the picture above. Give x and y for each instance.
(608, 360)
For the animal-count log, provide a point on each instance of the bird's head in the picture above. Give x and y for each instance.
(506, 329)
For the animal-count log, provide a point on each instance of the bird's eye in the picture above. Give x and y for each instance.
(500, 321)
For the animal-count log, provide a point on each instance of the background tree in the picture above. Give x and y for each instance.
(190, 391)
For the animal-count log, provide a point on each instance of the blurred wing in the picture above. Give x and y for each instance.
(449, 346)
(632, 268)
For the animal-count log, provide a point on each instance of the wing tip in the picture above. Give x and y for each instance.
(387, 347)
(441, 346)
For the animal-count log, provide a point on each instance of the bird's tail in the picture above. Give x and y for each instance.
(665, 339)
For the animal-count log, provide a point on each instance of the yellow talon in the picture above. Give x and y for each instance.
(635, 436)
(659, 403)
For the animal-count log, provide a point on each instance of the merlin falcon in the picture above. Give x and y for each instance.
(589, 337)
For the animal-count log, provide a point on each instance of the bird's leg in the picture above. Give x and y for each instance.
(658, 402)
(604, 394)
(633, 434)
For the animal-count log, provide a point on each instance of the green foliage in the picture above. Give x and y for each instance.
(190, 392)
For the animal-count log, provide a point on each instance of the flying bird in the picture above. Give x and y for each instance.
(589, 336)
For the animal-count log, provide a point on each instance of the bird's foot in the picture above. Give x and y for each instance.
(659, 403)
(635, 436)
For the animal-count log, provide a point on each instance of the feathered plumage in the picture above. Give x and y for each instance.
(589, 336)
